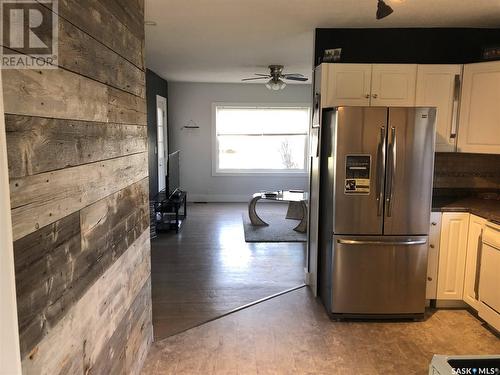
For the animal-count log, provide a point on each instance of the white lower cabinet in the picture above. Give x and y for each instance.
(474, 243)
(466, 263)
(433, 257)
(452, 253)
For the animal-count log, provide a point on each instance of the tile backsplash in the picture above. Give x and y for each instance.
(475, 172)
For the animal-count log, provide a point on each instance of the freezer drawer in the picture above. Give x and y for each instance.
(379, 275)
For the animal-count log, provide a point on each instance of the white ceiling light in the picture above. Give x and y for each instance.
(275, 84)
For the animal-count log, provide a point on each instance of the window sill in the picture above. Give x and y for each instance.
(301, 174)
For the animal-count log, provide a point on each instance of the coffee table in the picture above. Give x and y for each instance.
(292, 196)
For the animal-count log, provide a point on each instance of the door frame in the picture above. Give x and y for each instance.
(161, 103)
(10, 356)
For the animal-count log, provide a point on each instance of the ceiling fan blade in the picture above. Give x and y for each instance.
(293, 75)
(253, 79)
(263, 75)
(301, 79)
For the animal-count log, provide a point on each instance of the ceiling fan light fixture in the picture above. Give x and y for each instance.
(275, 84)
(383, 10)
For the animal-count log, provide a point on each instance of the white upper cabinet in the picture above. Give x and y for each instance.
(452, 253)
(369, 84)
(347, 85)
(476, 225)
(439, 86)
(393, 85)
(479, 127)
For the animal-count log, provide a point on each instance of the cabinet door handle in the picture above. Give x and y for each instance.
(375, 96)
(431, 246)
(433, 223)
(456, 98)
(367, 96)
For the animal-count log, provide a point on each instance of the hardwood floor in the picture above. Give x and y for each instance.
(291, 334)
(208, 270)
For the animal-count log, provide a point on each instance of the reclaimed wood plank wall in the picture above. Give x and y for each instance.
(78, 168)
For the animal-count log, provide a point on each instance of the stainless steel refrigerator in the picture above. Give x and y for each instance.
(376, 170)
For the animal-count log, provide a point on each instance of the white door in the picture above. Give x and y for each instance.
(479, 128)
(452, 252)
(348, 85)
(433, 258)
(439, 86)
(162, 146)
(393, 85)
(476, 225)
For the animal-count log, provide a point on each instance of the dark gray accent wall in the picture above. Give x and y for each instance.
(155, 85)
(407, 45)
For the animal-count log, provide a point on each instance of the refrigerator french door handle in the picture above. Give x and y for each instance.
(397, 243)
(392, 171)
(380, 171)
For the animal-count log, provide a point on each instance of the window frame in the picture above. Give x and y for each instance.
(257, 172)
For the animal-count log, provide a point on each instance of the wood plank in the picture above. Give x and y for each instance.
(111, 359)
(140, 333)
(38, 144)
(126, 350)
(75, 343)
(130, 13)
(55, 266)
(125, 108)
(54, 93)
(43, 273)
(57, 93)
(94, 17)
(83, 54)
(44, 198)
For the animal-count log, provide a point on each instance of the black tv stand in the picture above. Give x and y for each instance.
(170, 211)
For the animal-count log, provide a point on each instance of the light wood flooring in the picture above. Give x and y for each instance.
(208, 270)
(291, 334)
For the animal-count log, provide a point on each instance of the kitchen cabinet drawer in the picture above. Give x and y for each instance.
(452, 252)
(472, 262)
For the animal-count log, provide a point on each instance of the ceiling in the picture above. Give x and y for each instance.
(227, 40)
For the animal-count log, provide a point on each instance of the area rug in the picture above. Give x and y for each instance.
(278, 230)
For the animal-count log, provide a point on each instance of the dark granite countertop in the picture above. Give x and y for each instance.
(485, 208)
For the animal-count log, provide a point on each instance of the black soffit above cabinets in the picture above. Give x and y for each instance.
(407, 45)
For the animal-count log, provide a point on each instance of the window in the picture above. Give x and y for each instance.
(260, 139)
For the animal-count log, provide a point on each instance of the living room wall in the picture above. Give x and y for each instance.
(78, 170)
(191, 104)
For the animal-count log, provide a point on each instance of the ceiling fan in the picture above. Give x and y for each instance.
(276, 77)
